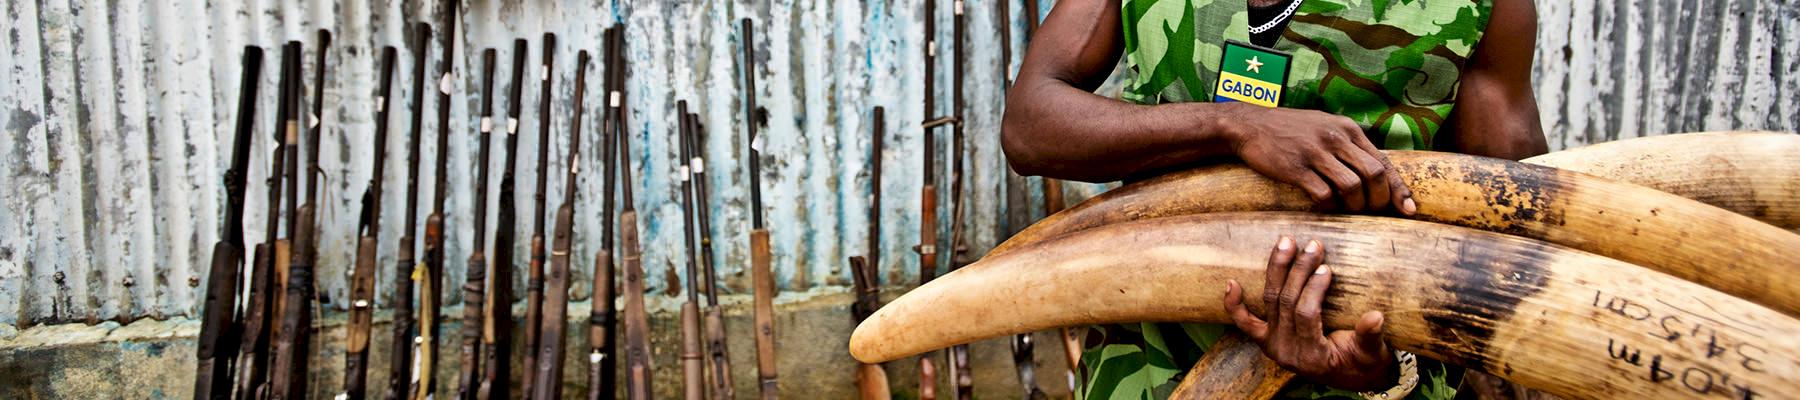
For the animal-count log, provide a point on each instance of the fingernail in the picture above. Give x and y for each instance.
(1312, 246)
(1408, 206)
(1320, 271)
(1285, 244)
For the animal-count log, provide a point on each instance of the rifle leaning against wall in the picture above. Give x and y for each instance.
(362, 281)
(432, 288)
(473, 322)
(556, 283)
(718, 355)
(762, 278)
(601, 322)
(637, 322)
(693, 371)
(534, 275)
(959, 246)
(871, 379)
(405, 343)
(496, 382)
(253, 360)
(293, 345)
(219, 325)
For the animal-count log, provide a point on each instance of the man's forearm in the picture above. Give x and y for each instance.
(1059, 131)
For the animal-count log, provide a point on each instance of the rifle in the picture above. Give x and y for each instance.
(762, 278)
(1023, 346)
(473, 321)
(219, 338)
(601, 364)
(556, 292)
(534, 278)
(871, 379)
(959, 256)
(432, 288)
(293, 345)
(693, 375)
(400, 367)
(362, 287)
(637, 322)
(254, 356)
(498, 330)
(718, 354)
(1071, 342)
(1031, 19)
(928, 229)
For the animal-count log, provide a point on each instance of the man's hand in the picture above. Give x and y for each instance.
(1293, 335)
(1325, 155)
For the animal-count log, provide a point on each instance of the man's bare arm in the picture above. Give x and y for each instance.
(1057, 127)
(1496, 114)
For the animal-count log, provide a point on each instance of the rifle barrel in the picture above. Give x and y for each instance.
(556, 283)
(637, 321)
(254, 356)
(474, 315)
(219, 340)
(602, 323)
(426, 388)
(400, 363)
(362, 289)
(534, 278)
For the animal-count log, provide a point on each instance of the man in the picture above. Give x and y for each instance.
(1203, 81)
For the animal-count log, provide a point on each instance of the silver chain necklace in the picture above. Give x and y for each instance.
(1266, 26)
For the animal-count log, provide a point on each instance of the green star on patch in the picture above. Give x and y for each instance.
(1251, 74)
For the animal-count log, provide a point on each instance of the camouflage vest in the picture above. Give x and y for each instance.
(1392, 66)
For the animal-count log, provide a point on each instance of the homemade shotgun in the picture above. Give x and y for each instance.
(219, 330)
(959, 246)
(253, 359)
(294, 341)
(432, 287)
(761, 277)
(601, 363)
(717, 354)
(693, 375)
(534, 275)
(499, 327)
(928, 218)
(556, 283)
(362, 281)
(871, 379)
(637, 321)
(400, 365)
(473, 323)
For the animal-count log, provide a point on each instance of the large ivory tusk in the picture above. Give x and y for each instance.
(1751, 173)
(1560, 320)
(1661, 231)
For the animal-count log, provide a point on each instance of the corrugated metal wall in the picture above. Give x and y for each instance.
(118, 120)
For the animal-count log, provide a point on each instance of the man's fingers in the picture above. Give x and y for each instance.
(1314, 187)
(1374, 176)
(1303, 266)
(1397, 191)
(1252, 326)
(1368, 334)
(1348, 186)
(1312, 296)
(1274, 276)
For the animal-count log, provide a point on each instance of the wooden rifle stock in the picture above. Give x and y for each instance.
(219, 329)
(400, 362)
(761, 276)
(294, 340)
(253, 360)
(496, 380)
(474, 316)
(556, 283)
(637, 321)
(718, 355)
(362, 281)
(692, 364)
(432, 289)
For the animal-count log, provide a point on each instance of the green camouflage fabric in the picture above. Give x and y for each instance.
(1390, 65)
(1393, 66)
